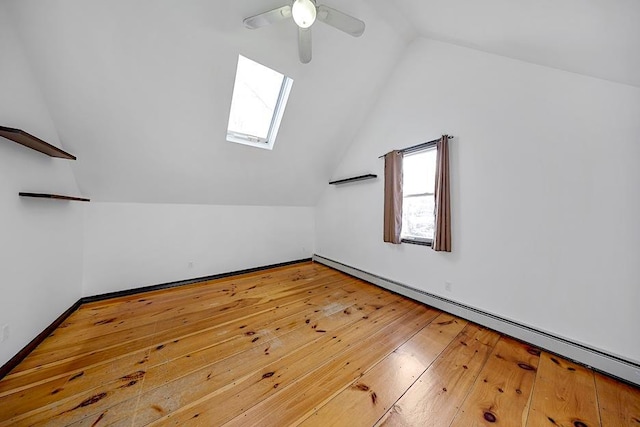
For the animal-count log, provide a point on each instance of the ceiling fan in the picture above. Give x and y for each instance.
(305, 13)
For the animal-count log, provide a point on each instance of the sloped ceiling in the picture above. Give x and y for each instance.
(140, 90)
(599, 38)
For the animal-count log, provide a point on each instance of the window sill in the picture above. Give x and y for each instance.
(252, 142)
(418, 242)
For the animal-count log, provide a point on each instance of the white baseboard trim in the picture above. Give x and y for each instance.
(597, 359)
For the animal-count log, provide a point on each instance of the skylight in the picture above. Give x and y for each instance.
(259, 97)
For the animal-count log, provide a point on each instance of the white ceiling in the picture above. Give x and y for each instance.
(140, 90)
(599, 38)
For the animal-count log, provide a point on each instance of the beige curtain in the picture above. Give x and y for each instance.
(442, 232)
(392, 196)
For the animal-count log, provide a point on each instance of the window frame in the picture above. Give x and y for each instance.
(412, 151)
(276, 117)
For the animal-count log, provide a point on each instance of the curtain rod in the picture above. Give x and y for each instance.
(419, 146)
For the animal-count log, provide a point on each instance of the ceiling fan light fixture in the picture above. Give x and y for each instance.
(304, 13)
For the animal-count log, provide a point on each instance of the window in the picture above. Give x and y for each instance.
(418, 180)
(259, 97)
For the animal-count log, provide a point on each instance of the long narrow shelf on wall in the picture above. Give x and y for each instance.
(53, 196)
(353, 179)
(35, 143)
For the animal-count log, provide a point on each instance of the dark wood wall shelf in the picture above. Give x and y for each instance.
(353, 179)
(35, 143)
(54, 196)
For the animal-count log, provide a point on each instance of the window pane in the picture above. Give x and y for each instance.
(255, 96)
(419, 172)
(417, 217)
(418, 202)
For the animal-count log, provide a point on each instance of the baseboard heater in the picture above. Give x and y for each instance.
(612, 365)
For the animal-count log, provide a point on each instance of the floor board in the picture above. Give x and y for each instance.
(296, 345)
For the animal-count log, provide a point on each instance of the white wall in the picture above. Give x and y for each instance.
(40, 240)
(545, 192)
(131, 245)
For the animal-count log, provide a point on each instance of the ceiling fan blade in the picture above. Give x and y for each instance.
(304, 45)
(341, 21)
(266, 18)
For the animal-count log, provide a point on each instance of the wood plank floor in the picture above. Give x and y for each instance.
(297, 345)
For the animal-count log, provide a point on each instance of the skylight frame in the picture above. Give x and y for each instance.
(276, 117)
